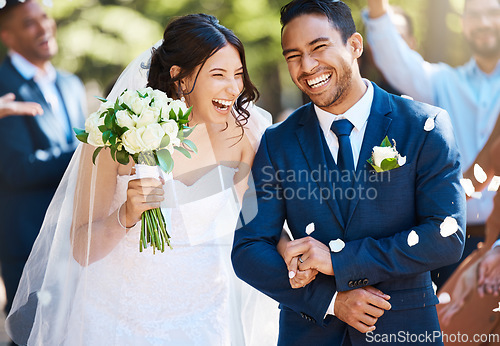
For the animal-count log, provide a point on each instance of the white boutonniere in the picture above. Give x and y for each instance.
(385, 157)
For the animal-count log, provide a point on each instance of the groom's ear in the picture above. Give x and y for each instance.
(355, 43)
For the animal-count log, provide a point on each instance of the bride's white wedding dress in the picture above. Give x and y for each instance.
(185, 296)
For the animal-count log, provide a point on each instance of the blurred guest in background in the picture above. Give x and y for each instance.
(470, 93)
(35, 150)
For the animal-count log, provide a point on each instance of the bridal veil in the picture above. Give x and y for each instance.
(56, 276)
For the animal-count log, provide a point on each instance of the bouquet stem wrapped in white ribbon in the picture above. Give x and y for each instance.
(148, 126)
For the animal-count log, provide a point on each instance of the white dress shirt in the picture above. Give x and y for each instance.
(358, 116)
(46, 81)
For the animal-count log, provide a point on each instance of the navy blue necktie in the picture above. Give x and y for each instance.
(345, 162)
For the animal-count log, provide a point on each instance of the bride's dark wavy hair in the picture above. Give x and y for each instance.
(189, 41)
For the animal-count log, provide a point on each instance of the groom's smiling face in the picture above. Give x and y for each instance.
(319, 61)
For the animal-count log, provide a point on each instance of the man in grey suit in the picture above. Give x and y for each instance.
(35, 149)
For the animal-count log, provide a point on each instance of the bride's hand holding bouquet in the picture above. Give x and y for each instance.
(147, 126)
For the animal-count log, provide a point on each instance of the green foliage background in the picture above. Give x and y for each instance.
(98, 38)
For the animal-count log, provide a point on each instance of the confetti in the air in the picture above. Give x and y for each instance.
(448, 227)
(477, 195)
(401, 160)
(494, 184)
(480, 174)
(413, 238)
(336, 245)
(444, 298)
(310, 228)
(468, 186)
(497, 309)
(429, 124)
(44, 297)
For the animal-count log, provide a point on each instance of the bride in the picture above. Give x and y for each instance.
(86, 283)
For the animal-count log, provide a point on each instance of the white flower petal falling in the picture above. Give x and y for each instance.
(497, 309)
(3, 3)
(477, 195)
(413, 238)
(429, 124)
(44, 297)
(310, 228)
(444, 298)
(407, 97)
(494, 184)
(401, 160)
(448, 227)
(47, 3)
(336, 245)
(468, 186)
(480, 174)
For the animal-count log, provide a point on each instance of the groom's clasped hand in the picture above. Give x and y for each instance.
(360, 308)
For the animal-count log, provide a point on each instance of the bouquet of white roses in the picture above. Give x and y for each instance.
(148, 126)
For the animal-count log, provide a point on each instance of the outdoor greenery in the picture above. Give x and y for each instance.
(98, 38)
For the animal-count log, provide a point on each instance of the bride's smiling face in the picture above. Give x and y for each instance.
(215, 88)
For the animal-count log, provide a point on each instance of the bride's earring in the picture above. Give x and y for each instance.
(181, 94)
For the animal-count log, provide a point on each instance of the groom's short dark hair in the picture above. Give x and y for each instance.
(337, 12)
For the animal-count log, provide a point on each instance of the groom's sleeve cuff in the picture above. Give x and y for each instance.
(330, 310)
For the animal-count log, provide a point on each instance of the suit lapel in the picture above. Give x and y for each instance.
(311, 140)
(376, 130)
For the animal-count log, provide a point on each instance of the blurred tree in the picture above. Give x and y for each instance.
(98, 38)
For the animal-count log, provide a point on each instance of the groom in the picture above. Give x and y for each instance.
(364, 232)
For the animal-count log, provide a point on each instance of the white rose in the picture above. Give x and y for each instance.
(177, 105)
(382, 153)
(138, 105)
(160, 99)
(152, 136)
(147, 117)
(92, 128)
(132, 141)
(104, 106)
(125, 119)
(128, 97)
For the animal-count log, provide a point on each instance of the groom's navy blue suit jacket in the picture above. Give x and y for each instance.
(294, 174)
(34, 153)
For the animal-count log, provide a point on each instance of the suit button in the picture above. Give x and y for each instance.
(350, 284)
(365, 282)
(360, 282)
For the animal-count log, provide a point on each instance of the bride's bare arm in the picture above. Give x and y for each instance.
(96, 229)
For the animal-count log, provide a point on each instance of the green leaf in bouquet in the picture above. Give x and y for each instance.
(96, 152)
(165, 160)
(141, 95)
(112, 138)
(188, 112)
(386, 142)
(183, 151)
(190, 145)
(102, 128)
(81, 135)
(113, 151)
(102, 99)
(183, 121)
(172, 115)
(388, 164)
(165, 141)
(108, 120)
(105, 136)
(122, 157)
(188, 130)
(125, 106)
